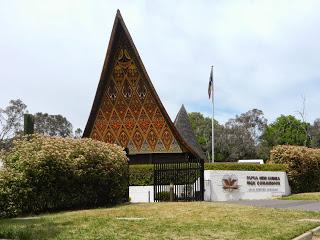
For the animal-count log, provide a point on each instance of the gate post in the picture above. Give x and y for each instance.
(202, 180)
(171, 192)
(155, 177)
(127, 196)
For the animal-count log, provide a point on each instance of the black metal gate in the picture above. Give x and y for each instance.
(184, 176)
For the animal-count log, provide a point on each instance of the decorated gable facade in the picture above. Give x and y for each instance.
(127, 110)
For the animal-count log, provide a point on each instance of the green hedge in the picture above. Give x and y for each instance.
(51, 173)
(142, 175)
(303, 166)
(245, 167)
(163, 196)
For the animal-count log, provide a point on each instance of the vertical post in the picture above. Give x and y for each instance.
(202, 180)
(171, 192)
(28, 124)
(127, 195)
(176, 180)
(154, 182)
(188, 179)
(212, 136)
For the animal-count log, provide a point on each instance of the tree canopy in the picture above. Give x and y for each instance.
(11, 118)
(248, 135)
(11, 123)
(234, 140)
(287, 130)
(52, 125)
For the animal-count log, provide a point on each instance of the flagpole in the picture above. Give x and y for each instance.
(212, 136)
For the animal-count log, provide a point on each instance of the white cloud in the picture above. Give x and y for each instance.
(266, 53)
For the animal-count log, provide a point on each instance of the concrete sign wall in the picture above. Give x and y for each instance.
(236, 185)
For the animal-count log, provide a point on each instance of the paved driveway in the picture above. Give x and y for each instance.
(288, 204)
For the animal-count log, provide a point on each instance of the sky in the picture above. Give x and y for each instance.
(266, 54)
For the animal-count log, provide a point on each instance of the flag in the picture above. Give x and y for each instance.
(210, 87)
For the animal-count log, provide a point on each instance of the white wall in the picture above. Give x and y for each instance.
(141, 194)
(250, 185)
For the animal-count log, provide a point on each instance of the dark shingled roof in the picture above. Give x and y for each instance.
(183, 125)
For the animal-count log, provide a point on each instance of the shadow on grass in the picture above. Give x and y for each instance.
(28, 228)
(39, 227)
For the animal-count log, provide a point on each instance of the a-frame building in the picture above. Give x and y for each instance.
(127, 110)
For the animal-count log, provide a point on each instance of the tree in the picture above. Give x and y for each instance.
(315, 133)
(302, 114)
(254, 121)
(78, 133)
(52, 125)
(237, 142)
(11, 123)
(234, 140)
(202, 128)
(286, 130)
(11, 119)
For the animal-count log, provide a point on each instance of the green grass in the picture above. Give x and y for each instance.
(195, 220)
(303, 196)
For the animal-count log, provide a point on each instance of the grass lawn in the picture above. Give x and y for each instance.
(195, 220)
(303, 196)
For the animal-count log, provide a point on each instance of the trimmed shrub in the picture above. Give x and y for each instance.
(164, 196)
(303, 166)
(52, 173)
(245, 167)
(13, 193)
(142, 175)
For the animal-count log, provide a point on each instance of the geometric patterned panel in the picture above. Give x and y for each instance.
(128, 114)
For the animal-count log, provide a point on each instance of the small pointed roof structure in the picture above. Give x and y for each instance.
(127, 109)
(183, 125)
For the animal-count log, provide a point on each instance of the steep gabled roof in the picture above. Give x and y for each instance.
(119, 28)
(183, 125)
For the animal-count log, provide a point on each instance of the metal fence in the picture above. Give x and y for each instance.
(185, 176)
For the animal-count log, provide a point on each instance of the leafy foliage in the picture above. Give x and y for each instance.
(238, 139)
(246, 167)
(236, 142)
(11, 123)
(11, 118)
(254, 122)
(303, 166)
(287, 130)
(52, 173)
(141, 175)
(202, 128)
(164, 196)
(315, 133)
(52, 125)
(78, 133)
(249, 136)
